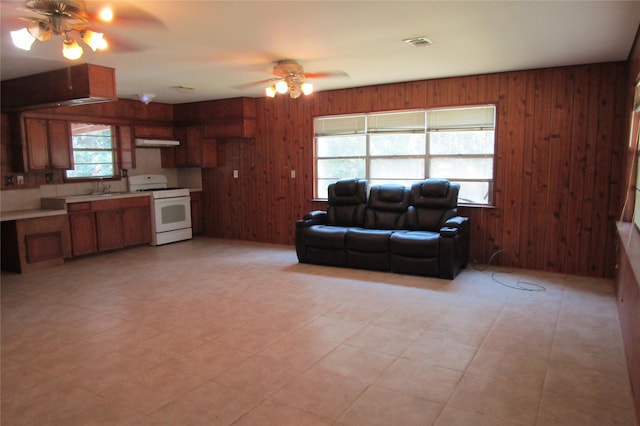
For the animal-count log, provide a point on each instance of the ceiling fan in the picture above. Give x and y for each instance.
(69, 19)
(290, 77)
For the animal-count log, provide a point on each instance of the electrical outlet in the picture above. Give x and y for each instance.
(235, 174)
(293, 174)
(8, 180)
(20, 179)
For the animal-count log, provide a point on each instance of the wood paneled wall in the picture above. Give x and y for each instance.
(560, 144)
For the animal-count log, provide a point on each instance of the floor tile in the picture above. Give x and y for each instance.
(360, 364)
(322, 393)
(422, 380)
(380, 406)
(273, 414)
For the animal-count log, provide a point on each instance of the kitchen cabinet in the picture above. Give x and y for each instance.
(146, 131)
(122, 222)
(194, 150)
(98, 226)
(238, 127)
(197, 227)
(36, 243)
(42, 144)
(126, 148)
(82, 224)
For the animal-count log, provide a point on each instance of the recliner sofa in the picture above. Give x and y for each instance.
(388, 228)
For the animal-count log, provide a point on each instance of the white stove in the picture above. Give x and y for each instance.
(170, 208)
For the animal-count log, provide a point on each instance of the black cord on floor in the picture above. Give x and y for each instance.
(519, 285)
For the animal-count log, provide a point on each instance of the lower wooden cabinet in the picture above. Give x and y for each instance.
(99, 226)
(30, 244)
(82, 224)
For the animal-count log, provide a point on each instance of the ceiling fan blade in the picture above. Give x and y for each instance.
(256, 83)
(325, 74)
(127, 15)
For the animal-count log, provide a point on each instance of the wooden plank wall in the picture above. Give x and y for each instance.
(559, 148)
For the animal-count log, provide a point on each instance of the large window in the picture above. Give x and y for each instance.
(94, 151)
(405, 146)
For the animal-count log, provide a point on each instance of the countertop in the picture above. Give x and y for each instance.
(30, 214)
(53, 206)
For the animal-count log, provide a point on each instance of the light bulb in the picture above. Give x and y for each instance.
(270, 91)
(106, 14)
(281, 87)
(71, 49)
(307, 88)
(22, 39)
(94, 40)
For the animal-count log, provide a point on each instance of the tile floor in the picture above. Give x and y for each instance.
(216, 332)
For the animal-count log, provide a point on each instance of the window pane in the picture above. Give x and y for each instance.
(404, 182)
(80, 157)
(401, 168)
(93, 151)
(474, 142)
(341, 146)
(397, 144)
(461, 168)
(474, 192)
(92, 141)
(91, 170)
(341, 168)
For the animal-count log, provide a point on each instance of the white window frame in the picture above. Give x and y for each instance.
(113, 151)
(454, 119)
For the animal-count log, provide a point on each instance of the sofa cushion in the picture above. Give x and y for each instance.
(330, 237)
(417, 244)
(367, 240)
(387, 207)
(435, 194)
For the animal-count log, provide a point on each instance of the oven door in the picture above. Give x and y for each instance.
(170, 214)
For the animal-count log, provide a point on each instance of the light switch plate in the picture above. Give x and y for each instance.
(235, 174)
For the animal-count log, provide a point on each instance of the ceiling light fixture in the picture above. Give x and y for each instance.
(146, 97)
(61, 18)
(291, 79)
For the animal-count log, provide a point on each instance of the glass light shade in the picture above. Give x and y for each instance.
(71, 49)
(307, 88)
(106, 14)
(94, 40)
(281, 87)
(40, 30)
(22, 39)
(270, 91)
(294, 91)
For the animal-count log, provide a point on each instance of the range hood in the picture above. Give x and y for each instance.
(155, 143)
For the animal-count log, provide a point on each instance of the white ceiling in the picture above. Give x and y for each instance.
(214, 46)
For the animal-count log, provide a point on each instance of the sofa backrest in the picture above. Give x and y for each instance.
(433, 201)
(347, 201)
(387, 207)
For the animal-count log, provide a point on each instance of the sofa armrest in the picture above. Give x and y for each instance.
(457, 222)
(316, 217)
(455, 226)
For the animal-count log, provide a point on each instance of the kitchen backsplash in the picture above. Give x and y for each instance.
(147, 162)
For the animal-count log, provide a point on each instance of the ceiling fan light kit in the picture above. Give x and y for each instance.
(62, 18)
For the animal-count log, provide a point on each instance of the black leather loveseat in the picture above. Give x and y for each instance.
(388, 228)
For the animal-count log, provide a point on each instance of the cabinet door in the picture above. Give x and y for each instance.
(109, 229)
(136, 226)
(126, 148)
(194, 146)
(60, 152)
(37, 144)
(83, 233)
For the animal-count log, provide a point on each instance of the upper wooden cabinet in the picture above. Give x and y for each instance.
(153, 131)
(244, 127)
(41, 144)
(126, 148)
(75, 85)
(194, 150)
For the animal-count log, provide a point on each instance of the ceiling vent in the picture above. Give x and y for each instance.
(418, 41)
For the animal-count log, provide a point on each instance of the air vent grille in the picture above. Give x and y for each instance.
(418, 41)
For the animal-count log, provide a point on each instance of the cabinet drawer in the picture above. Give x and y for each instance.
(120, 203)
(78, 207)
